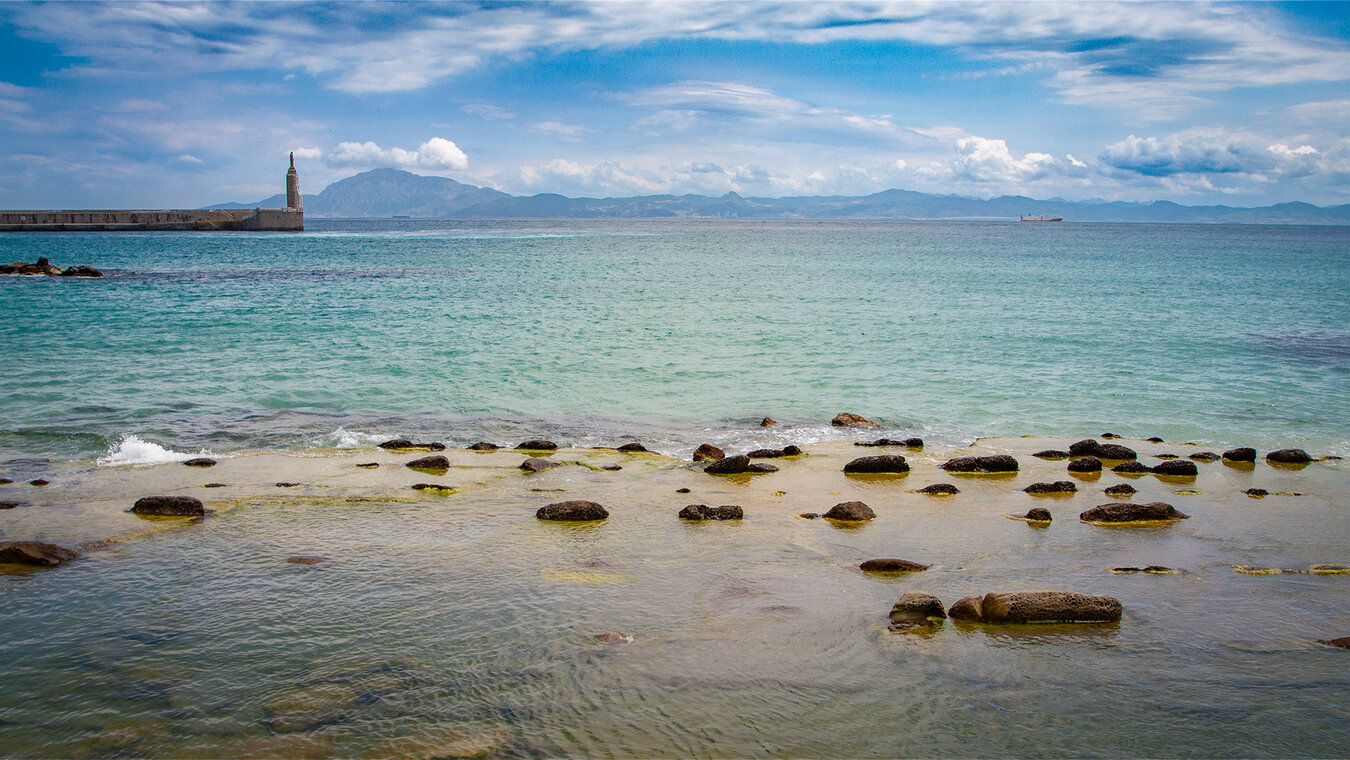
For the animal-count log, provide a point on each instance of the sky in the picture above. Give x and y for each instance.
(181, 105)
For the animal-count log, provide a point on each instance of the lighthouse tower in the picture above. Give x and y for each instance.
(293, 188)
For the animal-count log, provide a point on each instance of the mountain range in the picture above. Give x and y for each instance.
(384, 193)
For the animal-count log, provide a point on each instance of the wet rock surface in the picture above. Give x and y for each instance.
(707, 451)
(403, 444)
(634, 448)
(1204, 456)
(1288, 456)
(916, 609)
(484, 446)
(891, 565)
(433, 487)
(38, 553)
(885, 463)
(1038, 514)
(1240, 454)
(940, 489)
(737, 465)
(847, 419)
(200, 462)
(169, 506)
(705, 512)
(1052, 454)
(1120, 489)
(435, 462)
(1177, 468)
(1085, 464)
(909, 443)
(44, 267)
(538, 464)
(1057, 487)
(1036, 607)
(786, 451)
(1155, 569)
(768, 422)
(850, 511)
(988, 464)
(537, 445)
(1131, 468)
(1123, 511)
(576, 511)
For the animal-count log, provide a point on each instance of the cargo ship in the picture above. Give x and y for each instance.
(1041, 218)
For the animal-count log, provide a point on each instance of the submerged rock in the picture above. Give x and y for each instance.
(537, 445)
(736, 465)
(705, 512)
(846, 419)
(761, 467)
(850, 511)
(433, 462)
(1205, 456)
(1241, 454)
(988, 464)
(634, 448)
(681, 490)
(484, 446)
(889, 565)
(1257, 493)
(367, 465)
(1123, 511)
(1038, 514)
(168, 506)
(786, 451)
(437, 487)
(611, 467)
(1059, 486)
(307, 560)
(940, 489)
(200, 462)
(1085, 464)
(1154, 569)
(214, 485)
(403, 444)
(39, 482)
(1036, 607)
(576, 511)
(909, 443)
(287, 484)
(538, 464)
(809, 515)
(886, 463)
(1052, 454)
(708, 451)
(1131, 468)
(1343, 642)
(1120, 489)
(1165, 456)
(1288, 456)
(12, 504)
(1154, 439)
(1178, 468)
(916, 609)
(35, 553)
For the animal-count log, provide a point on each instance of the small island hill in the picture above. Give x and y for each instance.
(289, 219)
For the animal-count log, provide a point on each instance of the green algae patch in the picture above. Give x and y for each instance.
(1187, 492)
(1321, 569)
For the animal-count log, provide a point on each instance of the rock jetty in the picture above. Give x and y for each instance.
(44, 267)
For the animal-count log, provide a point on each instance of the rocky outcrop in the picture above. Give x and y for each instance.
(403, 444)
(435, 462)
(1177, 468)
(538, 464)
(916, 609)
(634, 448)
(572, 511)
(705, 512)
(1036, 607)
(845, 419)
(1038, 514)
(1288, 456)
(1090, 448)
(537, 445)
(988, 464)
(1085, 464)
(884, 464)
(35, 553)
(1240, 454)
(850, 511)
(200, 462)
(889, 565)
(1131, 468)
(940, 489)
(1120, 489)
(168, 506)
(44, 267)
(709, 452)
(1123, 511)
(1204, 456)
(1059, 486)
(909, 443)
(1052, 454)
(768, 422)
(484, 446)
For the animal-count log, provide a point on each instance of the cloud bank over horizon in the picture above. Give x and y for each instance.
(135, 103)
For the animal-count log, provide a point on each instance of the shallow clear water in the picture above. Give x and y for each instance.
(583, 329)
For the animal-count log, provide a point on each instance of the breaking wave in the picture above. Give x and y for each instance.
(132, 450)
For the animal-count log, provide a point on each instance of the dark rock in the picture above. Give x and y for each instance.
(6, 481)
(705, 512)
(1165, 456)
(1115, 451)
(433, 462)
(83, 270)
(888, 565)
(403, 444)
(200, 462)
(35, 553)
(1243, 454)
(765, 453)
(886, 463)
(39, 482)
(1159, 569)
(307, 560)
(1123, 511)
(916, 609)
(809, 515)
(768, 422)
(1181, 468)
(572, 511)
(1108, 436)
(1289, 456)
(432, 487)
(846, 419)
(613, 637)
(214, 485)
(169, 506)
(11, 504)
(681, 490)
(538, 445)
(708, 451)
(1120, 489)
(367, 465)
(850, 511)
(634, 448)
(1052, 454)
(1059, 486)
(287, 484)
(611, 467)
(792, 450)
(484, 446)
(1154, 439)
(1343, 642)
(538, 464)
(940, 489)
(1087, 447)
(1131, 468)
(991, 463)
(1086, 464)
(1025, 607)
(1038, 514)
(728, 465)
(1257, 493)
(760, 467)
(1205, 456)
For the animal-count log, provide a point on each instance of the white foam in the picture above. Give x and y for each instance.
(132, 450)
(351, 439)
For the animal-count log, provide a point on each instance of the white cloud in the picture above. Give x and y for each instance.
(489, 111)
(568, 132)
(190, 159)
(436, 153)
(308, 153)
(1210, 151)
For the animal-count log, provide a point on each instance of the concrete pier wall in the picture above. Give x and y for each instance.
(263, 219)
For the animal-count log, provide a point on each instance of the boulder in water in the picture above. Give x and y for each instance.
(1052, 454)
(1037, 607)
(846, 419)
(1057, 487)
(916, 609)
(634, 448)
(484, 446)
(890, 565)
(1131, 468)
(884, 464)
(1123, 511)
(1085, 464)
(705, 512)
(1288, 456)
(200, 462)
(988, 464)
(435, 462)
(538, 464)
(35, 553)
(709, 452)
(1120, 489)
(850, 511)
(573, 511)
(1178, 468)
(940, 489)
(1240, 454)
(538, 445)
(168, 506)
(1038, 514)
(768, 422)
(1204, 456)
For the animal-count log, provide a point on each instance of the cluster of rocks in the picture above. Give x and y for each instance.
(909, 443)
(44, 267)
(988, 464)
(917, 609)
(403, 444)
(737, 465)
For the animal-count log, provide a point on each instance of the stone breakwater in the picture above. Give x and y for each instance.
(44, 267)
(200, 220)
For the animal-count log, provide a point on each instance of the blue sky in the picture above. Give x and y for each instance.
(129, 104)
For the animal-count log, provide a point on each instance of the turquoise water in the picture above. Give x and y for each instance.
(680, 330)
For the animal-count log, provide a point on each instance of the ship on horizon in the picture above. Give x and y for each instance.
(1040, 218)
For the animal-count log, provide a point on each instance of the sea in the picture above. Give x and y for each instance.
(452, 623)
